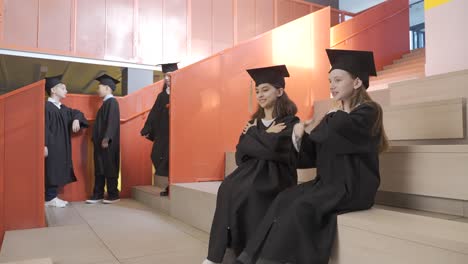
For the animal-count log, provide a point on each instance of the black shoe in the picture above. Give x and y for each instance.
(165, 192)
(94, 199)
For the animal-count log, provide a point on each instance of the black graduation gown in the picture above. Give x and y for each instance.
(301, 224)
(58, 125)
(266, 166)
(107, 125)
(157, 127)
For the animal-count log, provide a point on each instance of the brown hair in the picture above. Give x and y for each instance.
(283, 107)
(361, 96)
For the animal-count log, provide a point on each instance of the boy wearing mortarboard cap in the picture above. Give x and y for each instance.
(106, 139)
(60, 122)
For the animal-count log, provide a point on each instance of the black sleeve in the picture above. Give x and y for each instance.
(240, 156)
(307, 154)
(153, 120)
(260, 144)
(349, 133)
(113, 121)
(78, 115)
(48, 133)
(357, 123)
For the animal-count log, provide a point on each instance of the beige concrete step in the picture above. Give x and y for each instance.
(399, 72)
(445, 206)
(416, 52)
(442, 119)
(150, 196)
(160, 181)
(405, 64)
(377, 87)
(398, 67)
(398, 78)
(433, 171)
(372, 236)
(406, 60)
(427, 89)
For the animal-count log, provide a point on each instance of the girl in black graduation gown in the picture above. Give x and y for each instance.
(266, 163)
(60, 122)
(300, 226)
(156, 127)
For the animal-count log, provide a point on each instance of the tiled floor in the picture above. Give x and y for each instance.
(127, 232)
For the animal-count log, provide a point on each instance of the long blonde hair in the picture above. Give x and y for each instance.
(361, 96)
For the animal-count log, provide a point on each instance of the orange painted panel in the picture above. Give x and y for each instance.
(150, 31)
(245, 20)
(91, 27)
(201, 33)
(264, 16)
(23, 162)
(223, 25)
(216, 106)
(120, 29)
(82, 156)
(20, 22)
(1, 25)
(82, 150)
(136, 166)
(285, 11)
(175, 30)
(301, 9)
(382, 29)
(55, 24)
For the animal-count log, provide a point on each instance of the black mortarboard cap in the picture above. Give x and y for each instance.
(108, 80)
(273, 75)
(357, 62)
(51, 82)
(169, 67)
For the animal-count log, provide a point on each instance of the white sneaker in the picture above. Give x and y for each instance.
(209, 262)
(93, 201)
(65, 202)
(110, 201)
(55, 203)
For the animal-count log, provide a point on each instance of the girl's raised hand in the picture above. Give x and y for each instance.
(248, 126)
(276, 128)
(299, 130)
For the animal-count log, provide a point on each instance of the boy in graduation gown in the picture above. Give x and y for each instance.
(106, 139)
(301, 224)
(156, 127)
(60, 122)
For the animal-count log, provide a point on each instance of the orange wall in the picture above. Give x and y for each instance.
(22, 158)
(141, 31)
(210, 99)
(383, 29)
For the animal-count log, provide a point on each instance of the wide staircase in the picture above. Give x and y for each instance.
(409, 66)
(421, 214)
